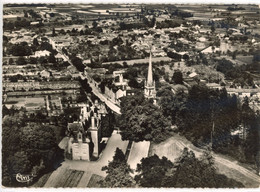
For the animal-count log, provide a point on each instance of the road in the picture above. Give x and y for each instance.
(138, 151)
(172, 149)
(102, 97)
(89, 167)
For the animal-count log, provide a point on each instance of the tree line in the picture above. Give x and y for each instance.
(187, 171)
(27, 147)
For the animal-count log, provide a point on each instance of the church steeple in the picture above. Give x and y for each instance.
(149, 88)
(150, 71)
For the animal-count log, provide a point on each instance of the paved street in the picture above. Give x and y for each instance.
(103, 97)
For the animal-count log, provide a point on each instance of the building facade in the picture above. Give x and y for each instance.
(85, 134)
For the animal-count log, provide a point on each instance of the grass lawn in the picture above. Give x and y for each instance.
(93, 182)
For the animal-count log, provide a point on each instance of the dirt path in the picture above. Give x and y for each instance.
(138, 151)
(172, 149)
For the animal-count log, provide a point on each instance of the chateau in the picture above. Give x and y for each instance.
(85, 134)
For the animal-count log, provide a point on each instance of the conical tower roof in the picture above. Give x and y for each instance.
(150, 71)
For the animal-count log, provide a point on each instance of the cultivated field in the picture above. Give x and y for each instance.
(69, 178)
(27, 102)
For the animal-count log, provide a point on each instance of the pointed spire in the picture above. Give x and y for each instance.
(150, 71)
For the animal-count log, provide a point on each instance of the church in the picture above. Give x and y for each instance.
(85, 134)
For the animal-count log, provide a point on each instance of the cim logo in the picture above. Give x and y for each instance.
(24, 178)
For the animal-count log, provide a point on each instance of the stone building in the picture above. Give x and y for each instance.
(85, 134)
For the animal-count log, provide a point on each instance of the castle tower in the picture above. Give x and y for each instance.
(95, 134)
(149, 87)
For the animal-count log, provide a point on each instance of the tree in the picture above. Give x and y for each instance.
(153, 21)
(152, 171)
(191, 172)
(186, 172)
(11, 61)
(21, 61)
(94, 24)
(234, 55)
(52, 58)
(141, 120)
(186, 57)
(213, 28)
(171, 103)
(122, 25)
(35, 42)
(204, 107)
(177, 77)
(118, 172)
(174, 55)
(77, 62)
(53, 32)
(27, 147)
(21, 49)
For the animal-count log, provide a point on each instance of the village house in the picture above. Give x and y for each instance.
(45, 74)
(43, 53)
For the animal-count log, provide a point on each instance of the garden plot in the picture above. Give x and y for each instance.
(70, 178)
(30, 103)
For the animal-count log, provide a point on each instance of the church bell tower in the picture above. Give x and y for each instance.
(149, 86)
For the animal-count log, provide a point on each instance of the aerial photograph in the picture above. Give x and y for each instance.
(130, 96)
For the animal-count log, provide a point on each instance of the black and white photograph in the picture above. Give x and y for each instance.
(130, 95)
